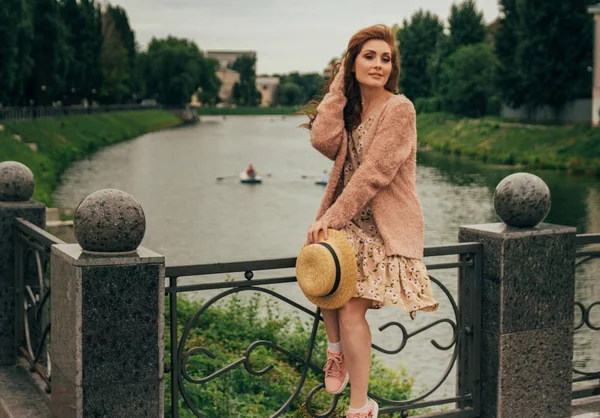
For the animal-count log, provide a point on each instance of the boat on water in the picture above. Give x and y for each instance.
(246, 179)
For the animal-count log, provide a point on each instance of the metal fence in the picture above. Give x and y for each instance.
(39, 112)
(584, 325)
(464, 344)
(32, 293)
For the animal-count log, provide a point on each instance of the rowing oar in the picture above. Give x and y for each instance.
(227, 177)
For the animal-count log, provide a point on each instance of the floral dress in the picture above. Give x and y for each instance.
(386, 280)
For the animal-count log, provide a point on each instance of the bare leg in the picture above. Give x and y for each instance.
(332, 326)
(356, 343)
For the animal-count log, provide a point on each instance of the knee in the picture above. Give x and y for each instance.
(350, 317)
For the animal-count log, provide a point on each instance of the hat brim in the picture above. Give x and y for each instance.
(348, 272)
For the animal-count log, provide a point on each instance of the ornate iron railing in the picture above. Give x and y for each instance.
(464, 343)
(32, 304)
(583, 259)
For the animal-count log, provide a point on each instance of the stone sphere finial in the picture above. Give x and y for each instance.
(109, 221)
(16, 182)
(522, 200)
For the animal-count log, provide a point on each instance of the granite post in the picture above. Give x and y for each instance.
(527, 304)
(107, 314)
(16, 188)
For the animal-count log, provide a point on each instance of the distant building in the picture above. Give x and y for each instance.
(227, 76)
(267, 86)
(226, 58)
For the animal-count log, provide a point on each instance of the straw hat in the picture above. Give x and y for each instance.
(326, 271)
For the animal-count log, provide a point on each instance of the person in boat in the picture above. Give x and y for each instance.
(370, 133)
(250, 172)
(325, 177)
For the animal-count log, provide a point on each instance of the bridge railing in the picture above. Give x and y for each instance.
(586, 370)
(463, 342)
(32, 297)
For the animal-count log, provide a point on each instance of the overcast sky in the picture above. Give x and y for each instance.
(287, 35)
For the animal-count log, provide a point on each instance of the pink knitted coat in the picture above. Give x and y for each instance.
(386, 175)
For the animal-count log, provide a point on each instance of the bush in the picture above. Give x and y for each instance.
(227, 328)
(428, 104)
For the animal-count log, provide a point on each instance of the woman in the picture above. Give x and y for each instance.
(371, 197)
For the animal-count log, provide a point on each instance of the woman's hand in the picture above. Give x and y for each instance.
(313, 231)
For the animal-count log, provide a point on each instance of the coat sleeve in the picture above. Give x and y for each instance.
(328, 131)
(394, 141)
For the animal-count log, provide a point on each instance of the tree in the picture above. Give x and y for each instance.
(209, 83)
(467, 75)
(175, 69)
(467, 26)
(289, 94)
(16, 33)
(545, 48)
(115, 64)
(245, 93)
(49, 54)
(418, 40)
(121, 22)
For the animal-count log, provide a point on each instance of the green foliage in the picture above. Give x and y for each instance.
(544, 48)
(244, 92)
(49, 53)
(298, 89)
(15, 62)
(61, 141)
(83, 21)
(115, 57)
(428, 104)
(467, 80)
(575, 148)
(227, 329)
(467, 26)
(175, 68)
(418, 39)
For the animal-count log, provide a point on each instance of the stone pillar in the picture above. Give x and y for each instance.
(107, 314)
(527, 304)
(16, 188)
(595, 10)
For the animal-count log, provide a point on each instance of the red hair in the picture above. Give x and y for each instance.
(353, 108)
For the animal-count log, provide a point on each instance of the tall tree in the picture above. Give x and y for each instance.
(552, 44)
(418, 40)
(49, 53)
(115, 64)
(175, 69)
(245, 92)
(127, 35)
(466, 23)
(16, 35)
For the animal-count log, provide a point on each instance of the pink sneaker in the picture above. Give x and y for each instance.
(371, 412)
(336, 375)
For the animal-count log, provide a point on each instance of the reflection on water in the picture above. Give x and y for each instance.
(192, 218)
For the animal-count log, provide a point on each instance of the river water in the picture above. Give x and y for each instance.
(192, 218)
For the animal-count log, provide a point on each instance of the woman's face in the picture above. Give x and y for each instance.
(373, 64)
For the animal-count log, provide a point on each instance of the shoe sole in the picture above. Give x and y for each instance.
(344, 384)
(375, 410)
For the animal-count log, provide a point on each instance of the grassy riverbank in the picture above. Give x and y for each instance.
(61, 141)
(575, 148)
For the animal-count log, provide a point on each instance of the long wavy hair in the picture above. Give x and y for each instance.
(353, 108)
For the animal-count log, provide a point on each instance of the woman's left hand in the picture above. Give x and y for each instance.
(315, 228)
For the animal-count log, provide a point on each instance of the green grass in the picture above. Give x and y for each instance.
(241, 110)
(61, 141)
(575, 148)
